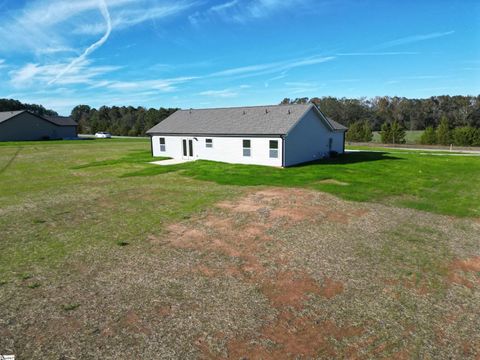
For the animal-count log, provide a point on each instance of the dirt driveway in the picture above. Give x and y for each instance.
(277, 273)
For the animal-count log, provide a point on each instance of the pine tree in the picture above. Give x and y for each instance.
(428, 136)
(386, 133)
(398, 133)
(355, 132)
(443, 133)
(367, 132)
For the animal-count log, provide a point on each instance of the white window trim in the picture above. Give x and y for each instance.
(249, 149)
(272, 152)
(163, 147)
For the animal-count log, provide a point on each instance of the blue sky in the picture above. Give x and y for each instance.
(200, 53)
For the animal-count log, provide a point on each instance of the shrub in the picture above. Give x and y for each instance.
(466, 136)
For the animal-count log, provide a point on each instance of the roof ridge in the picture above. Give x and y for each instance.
(244, 107)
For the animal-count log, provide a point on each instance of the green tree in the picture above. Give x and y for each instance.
(428, 136)
(386, 133)
(443, 133)
(466, 136)
(355, 132)
(367, 131)
(397, 133)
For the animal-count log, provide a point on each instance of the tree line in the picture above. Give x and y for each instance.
(444, 135)
(410, 114)
(124, 120)
(389, 115)
(14, 105)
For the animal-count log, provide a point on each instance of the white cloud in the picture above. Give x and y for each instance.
(225, 93)
(415, 38)
(243, 11)
(378, 53)
(82, 72)
(91, 48)
(64, 24)
(274, 67)
(133, 16)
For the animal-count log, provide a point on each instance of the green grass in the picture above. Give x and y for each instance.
(52, 207)
(59, 198)
(439, 184)
(411, 136)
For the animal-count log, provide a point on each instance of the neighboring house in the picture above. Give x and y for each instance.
(24, 125)
(282, 135)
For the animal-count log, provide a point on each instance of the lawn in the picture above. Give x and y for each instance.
(411, 136)
(371, 254)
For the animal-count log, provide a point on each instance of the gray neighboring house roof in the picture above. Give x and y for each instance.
(57, 120)
(252, 120)
(5, 115)
(60, 120)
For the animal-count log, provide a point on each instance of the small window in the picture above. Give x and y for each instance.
(162, 144)
(246, 148)
(208, 143)
(273, 148)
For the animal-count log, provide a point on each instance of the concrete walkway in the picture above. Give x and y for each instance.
(170, 162)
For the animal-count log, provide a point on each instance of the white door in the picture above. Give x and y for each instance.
(187, 148)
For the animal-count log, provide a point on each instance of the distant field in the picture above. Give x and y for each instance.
(369, 255)
(411, 137)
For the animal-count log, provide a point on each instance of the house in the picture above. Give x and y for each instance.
(282, 135)
(25, 125)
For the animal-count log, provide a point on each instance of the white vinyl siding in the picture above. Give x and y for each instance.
(225, 148)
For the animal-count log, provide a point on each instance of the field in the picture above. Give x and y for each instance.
(369, 255)
(411, 136)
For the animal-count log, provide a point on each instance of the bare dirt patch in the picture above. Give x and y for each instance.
(276, 273)
(333, 182)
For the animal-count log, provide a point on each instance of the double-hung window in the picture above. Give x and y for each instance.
(246, 148)
(162, 144)
(273, 147)
(208, 143)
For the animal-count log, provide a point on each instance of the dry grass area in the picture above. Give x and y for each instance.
(273, 273)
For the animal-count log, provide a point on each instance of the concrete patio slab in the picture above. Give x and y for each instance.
(170, 162)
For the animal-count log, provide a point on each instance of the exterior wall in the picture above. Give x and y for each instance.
(225, 149)
(309, 140)
(26, 126)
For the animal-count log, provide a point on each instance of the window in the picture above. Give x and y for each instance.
(246, 148)
(208, 143)
(273, 148)
(162, 144)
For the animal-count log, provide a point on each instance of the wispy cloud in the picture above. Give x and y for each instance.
(225, 93)
(391, 53)
(82, 72)
(133, 16)
(63, 24)
(415, 38)
(273, 67)
(243, 11)
(91, 48)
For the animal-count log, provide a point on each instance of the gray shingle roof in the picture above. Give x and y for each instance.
(335, 125)
(57, 120)
(60, 120)
(253, 120)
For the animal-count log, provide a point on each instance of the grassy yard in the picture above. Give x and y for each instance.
(411, 136)
(105, 255)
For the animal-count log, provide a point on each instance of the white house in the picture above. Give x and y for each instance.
(282, 135)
